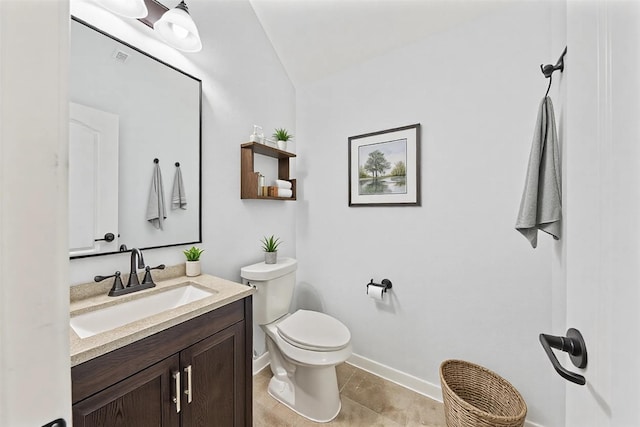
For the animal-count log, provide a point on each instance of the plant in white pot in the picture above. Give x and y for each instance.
(192, 265)
(282, 136)
(270, 246)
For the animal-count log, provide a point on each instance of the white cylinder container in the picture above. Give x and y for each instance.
(192, 268)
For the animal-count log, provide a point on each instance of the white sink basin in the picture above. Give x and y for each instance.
(111, 317)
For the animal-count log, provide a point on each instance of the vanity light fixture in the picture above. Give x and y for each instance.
(127, 8)
(178, 30)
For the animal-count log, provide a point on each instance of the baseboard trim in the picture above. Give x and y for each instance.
(425, 388)
(260, 362)
(418, 385)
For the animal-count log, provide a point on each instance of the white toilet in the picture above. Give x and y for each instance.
(304, 347)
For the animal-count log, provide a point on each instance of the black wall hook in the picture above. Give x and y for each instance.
(177, 164)
(156, 160)
(548, 69)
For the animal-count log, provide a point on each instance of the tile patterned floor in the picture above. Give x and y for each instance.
(367, 401)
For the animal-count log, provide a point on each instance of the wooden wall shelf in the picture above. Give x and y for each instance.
(249, 178)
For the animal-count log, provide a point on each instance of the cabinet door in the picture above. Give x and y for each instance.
(142, 400)
(217, 386)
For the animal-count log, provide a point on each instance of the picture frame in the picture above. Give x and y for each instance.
(384, 167)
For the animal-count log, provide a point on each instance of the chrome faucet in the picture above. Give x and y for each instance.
(133, 275)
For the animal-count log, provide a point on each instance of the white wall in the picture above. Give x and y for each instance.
(465, 283)
(35, 387)
(243, 84)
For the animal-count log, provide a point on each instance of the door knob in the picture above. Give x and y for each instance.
(109, 237)
(56, 423)
(573, 344)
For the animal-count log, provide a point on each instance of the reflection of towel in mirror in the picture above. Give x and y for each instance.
(178, 197)
(156, 212)
(541, 205)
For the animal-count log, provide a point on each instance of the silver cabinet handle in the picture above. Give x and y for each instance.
(188, 391)
(176, 398)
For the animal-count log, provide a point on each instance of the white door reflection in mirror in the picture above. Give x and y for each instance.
(93, 180)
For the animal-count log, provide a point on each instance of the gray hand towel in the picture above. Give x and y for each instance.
(156, 212)
(541, 205)
(178, 197)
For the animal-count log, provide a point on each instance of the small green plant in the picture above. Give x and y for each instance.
(193, 254)
(270, 244)
(282, 135)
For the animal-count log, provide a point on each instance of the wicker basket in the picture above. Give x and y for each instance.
(477, 397)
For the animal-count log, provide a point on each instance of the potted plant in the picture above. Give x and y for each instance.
(270, 246)
(282, 136)
(192, 265)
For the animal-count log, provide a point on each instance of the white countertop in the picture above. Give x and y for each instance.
(88, 348)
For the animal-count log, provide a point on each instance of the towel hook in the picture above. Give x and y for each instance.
(177, 164)
(156, 160)
(548, 69)
(548, 87)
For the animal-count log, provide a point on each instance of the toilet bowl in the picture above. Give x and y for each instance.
(303, 366)
(304, 346)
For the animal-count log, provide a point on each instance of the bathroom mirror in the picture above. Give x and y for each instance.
(128, 109)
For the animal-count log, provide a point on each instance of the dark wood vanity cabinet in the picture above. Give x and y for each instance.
(214, 379)
(197, 373)
(140, 400)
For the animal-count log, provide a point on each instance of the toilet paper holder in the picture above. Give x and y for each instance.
(386, 284)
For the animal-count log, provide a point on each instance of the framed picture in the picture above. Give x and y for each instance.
(384, 168)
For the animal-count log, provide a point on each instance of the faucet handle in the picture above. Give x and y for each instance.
(147, 274)
(117, 283)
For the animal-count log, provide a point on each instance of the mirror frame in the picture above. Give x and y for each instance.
(199, 81)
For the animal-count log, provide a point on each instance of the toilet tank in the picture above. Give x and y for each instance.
(274, 285)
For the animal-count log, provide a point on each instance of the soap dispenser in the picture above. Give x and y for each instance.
(257, 134)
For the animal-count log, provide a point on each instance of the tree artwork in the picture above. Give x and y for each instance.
(376, 163)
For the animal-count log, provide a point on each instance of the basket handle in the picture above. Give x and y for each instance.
(573, 344)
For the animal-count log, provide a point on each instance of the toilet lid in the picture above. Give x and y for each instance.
(313, 330)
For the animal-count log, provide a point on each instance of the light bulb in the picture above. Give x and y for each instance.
(179, 31)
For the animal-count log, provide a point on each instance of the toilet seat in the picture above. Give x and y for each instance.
(315, 331)
(302, 356)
